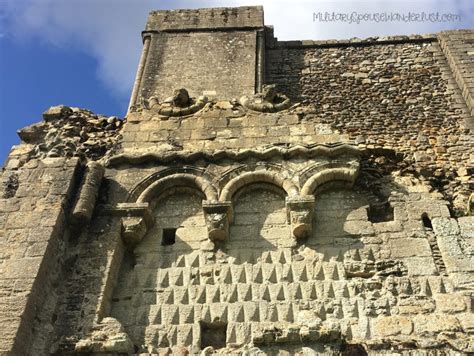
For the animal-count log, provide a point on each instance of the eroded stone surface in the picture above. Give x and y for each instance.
(330, 226)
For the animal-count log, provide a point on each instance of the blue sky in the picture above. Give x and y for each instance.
(84, 52)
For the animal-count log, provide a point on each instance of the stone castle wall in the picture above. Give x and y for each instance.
(331, 214)
(211, 51)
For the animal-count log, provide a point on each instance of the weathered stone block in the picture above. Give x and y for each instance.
(22, 267)
(56, 112)
(409, 248)
(466, 225)
(445, 226)
(18, 220)
(392, 325)
(359, 227)
(420, 266)
(435, 323)
(37, 250)
(450, 303)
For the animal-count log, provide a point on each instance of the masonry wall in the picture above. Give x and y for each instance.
(212, 52)
(398, 96)
(34, 236)
(379, 94)
(152, 266)
(371, 160)
(214, 64)
(381, 275)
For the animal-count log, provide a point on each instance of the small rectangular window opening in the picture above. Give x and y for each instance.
(169, 237)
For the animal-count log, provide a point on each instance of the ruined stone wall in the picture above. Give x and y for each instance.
(40, 184)
(399, 96)
(363, 277)
(327, 215)
(34, 231)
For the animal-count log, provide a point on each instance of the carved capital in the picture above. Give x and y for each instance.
(133, 229)
(300, 215)
(218, 217)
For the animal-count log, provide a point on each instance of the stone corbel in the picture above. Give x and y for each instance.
(218, 217)
(136, 222)
(300, 215)
(137, 218)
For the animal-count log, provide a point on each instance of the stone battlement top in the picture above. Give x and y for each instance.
(205, 19)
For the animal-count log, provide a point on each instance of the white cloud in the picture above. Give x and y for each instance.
(109, 30)
(293, 20)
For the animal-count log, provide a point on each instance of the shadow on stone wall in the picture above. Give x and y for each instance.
(284, 68)
(155, 276)
(259, 223)
(340, 220)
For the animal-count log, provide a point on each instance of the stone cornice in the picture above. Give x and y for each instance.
(214, 156)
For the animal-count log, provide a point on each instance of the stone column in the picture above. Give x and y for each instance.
(140, 70)
(260, 70)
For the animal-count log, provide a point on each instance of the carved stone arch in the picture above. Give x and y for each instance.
(346, 173)
(308, 172)
(139, 188)
(236, 178)
(138, 215)
(257, 177)
(150, 194)
(300, 208)
(260, 166)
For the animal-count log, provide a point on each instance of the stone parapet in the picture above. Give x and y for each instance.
(223, 18)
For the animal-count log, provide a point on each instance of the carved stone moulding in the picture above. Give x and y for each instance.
(218, 196)
(180, 104)
(304, 151)
(267, 101)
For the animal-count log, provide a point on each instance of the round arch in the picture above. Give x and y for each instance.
(257, 177)
(346, 174)
(177, 180)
